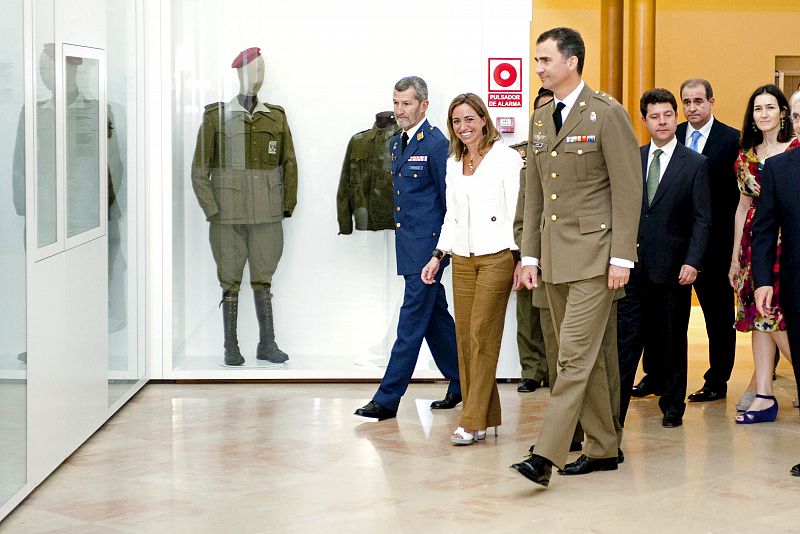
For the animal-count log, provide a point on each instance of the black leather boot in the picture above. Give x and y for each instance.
(267, 348)
(230, 314)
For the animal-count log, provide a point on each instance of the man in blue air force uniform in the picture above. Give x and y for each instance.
(419, 156)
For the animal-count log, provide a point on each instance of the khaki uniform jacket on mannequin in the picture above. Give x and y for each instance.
(244, 169)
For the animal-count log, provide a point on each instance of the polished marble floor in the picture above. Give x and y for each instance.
(252, 458)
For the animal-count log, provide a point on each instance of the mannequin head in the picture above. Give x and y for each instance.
(47, 69)
(250, 68)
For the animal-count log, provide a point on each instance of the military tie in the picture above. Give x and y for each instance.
(403, 142)
(695, 138)
(653, 174)
(557, 116)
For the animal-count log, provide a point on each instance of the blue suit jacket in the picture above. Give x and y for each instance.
(419, 196)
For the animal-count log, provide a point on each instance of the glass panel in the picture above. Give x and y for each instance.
(82, 82)
(46, 208)
(13, 358)
(123, 368)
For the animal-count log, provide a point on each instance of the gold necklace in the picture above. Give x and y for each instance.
(472, 161)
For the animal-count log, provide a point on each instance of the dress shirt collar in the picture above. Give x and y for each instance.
(570, 99)
(705, 130)
(411, 131)
(667, 149)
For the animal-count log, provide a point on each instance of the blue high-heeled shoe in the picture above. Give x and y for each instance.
(767, 415)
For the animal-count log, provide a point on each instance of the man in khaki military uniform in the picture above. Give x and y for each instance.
(244, 175)
(584, 178)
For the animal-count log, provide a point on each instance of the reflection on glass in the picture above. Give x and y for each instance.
(13, 356)
(83, 144)
(46, 211)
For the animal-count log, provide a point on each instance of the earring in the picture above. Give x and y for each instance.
(782, 122)
(754, 127)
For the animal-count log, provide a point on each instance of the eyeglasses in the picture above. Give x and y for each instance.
(795, 117)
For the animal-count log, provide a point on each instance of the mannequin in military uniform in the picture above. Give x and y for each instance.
(244, 175)
(365, 188)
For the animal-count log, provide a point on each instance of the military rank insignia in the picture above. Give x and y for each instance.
(539, 124)
(420, 135)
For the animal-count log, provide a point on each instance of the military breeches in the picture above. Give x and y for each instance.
(233, 245)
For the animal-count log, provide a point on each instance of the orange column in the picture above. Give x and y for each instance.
(642, 59)
(611, 46)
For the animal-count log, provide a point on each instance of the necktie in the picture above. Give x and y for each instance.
(653, 174)
(403, 142)
(695, 139)
(557, 116)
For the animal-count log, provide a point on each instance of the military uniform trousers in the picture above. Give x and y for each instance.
(481, 288)
(233, 245)
(423, 315)
(531, 343)
(608, 352)
(580, 311)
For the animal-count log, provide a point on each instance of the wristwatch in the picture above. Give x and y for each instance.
(438, 254)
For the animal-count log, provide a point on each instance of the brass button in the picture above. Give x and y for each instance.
(554, 175)
(580, 151)
(397, 225)
(494, 218)
(415, 175)
(434, 234)
(553, 196)
(398, 208)
(554, 153)
(536, 151)
(603, 226)
(553, 217)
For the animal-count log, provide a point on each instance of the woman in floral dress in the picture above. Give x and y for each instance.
(767, 131)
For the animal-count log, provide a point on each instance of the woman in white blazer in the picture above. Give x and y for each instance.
(482, 186)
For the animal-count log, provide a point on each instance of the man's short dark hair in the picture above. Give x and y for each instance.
(419, 85)
(657, 96)
(691, 82)
(569, 43)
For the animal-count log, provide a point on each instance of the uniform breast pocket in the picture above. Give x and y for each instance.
(266, 147)
(583, 156)
(358, 166)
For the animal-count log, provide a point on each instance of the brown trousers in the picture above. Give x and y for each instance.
(581, 312)
(481, 288)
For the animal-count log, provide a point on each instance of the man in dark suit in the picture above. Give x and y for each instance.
(419, 157)
(720, 144)
(779, 208)
(672, 239)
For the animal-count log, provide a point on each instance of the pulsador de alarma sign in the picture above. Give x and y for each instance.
(505, 83)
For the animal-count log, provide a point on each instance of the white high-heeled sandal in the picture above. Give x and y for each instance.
(462, 437)
(481, 434)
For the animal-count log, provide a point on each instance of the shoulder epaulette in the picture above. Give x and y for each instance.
(604, 97)
(275, 107)
(215, 105)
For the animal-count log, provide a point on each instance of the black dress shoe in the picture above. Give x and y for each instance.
(644, 388)
(707, 393)
(620, 456)
(795, 470)
(528, 385)
(450, 400)
(373, 410)
(672, 420)
(585, 465)
(536, 469)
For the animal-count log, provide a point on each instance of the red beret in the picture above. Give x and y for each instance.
(245, 57)
(49, 50)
